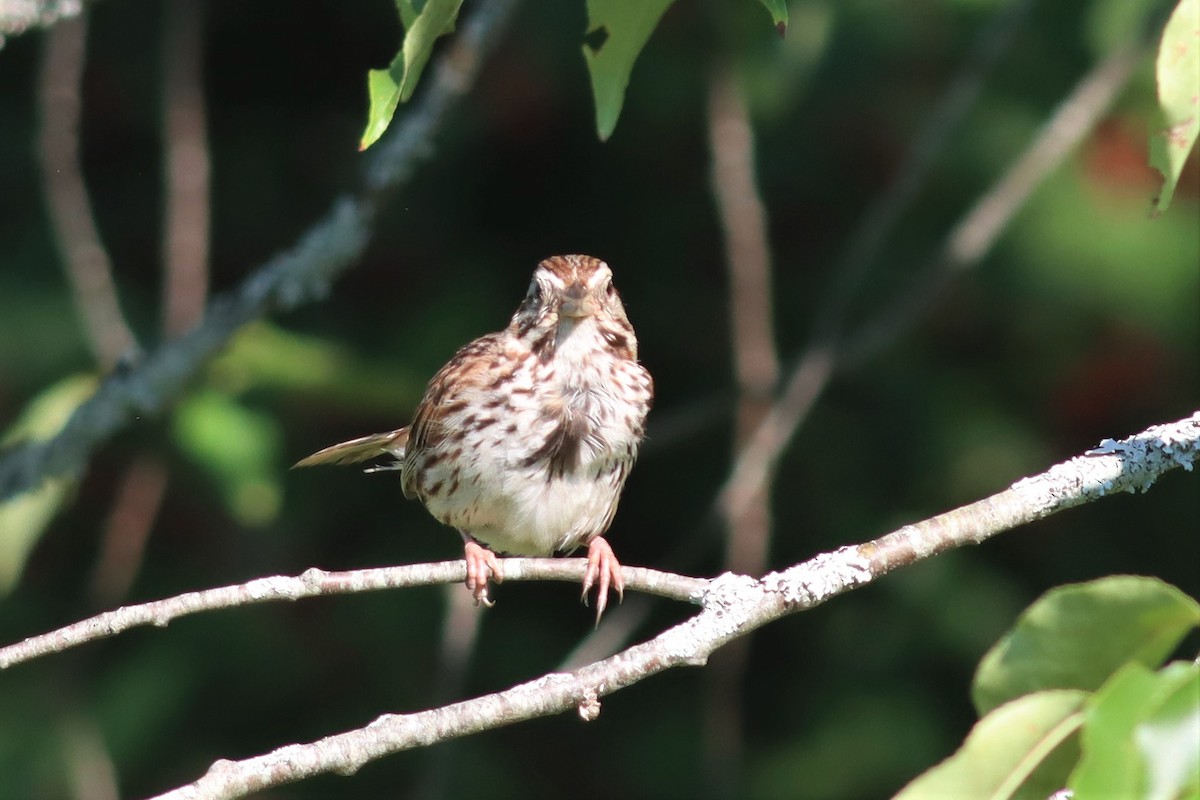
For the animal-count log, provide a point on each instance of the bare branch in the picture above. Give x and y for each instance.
(967, 243)
(748, 256)
(187, 168)
(88, 266)
(1126, 465)
(972, 238)
(317, 582)
(293, 278)
(734, 605)
(744, 223)
(743, 218)
(138, 500)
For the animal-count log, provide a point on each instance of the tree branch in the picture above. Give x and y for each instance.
(317, 582)
(291, 279)
(87, 264)
(968, 242)
(733, 605)
(743, 217)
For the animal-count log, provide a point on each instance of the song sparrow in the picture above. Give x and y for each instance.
(524, 439)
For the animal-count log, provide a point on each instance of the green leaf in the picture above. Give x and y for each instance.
(1023, 749)
(1110, 764)
(779, 15)
(1178, 71)
(239, 447)
(1169, 737)
(408, 12)
(1141, 735)
(24, 518)
(617, 31)
(388, 88)
(1076, 637)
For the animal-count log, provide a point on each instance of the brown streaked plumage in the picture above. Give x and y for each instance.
(523, 441)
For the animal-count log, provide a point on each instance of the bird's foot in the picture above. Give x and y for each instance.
(603, 570)
(481, 563)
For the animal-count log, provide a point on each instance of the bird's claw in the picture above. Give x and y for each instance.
(481, 564)
(603, 571)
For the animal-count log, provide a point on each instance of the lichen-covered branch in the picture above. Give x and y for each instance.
(733, 605)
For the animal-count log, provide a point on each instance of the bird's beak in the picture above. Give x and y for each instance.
(577, 302)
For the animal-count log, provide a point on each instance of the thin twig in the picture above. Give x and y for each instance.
(135, 507)
(748, 256)
(972, 238)
(733, 606)
(966, 245)
(743, 219)
(187, 168)
(291, 279)
(317, 582)
(88, 266)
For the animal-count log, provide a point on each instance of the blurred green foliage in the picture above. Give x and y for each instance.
(1082, 323)
(24, 519)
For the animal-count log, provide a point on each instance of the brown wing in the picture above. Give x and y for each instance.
(445, 403)
(363, 448)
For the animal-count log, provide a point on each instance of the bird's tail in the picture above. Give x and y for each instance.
(363, 448)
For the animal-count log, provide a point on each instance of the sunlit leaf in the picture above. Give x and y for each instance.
(239, 447)
(1023, 749)
(1169, 737)
(1141, 731)
(388, 88)
(1076, 637)
(1178, 71)
(24, 518)
(616, 33)
(1110, 762)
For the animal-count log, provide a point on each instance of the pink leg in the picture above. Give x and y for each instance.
(480, 563)
(602, 566)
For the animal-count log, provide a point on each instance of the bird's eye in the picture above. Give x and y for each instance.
(609, 289)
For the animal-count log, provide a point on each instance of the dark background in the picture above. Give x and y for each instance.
(1080, 324)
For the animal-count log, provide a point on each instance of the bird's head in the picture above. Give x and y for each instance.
(568, 292)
